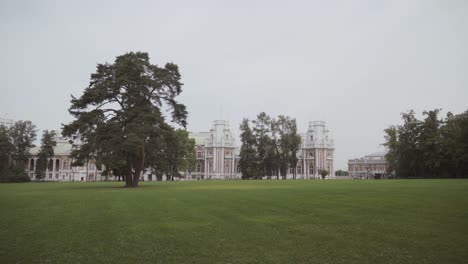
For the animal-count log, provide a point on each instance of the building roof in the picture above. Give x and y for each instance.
(377, 154)
(372, 157)
(61, 149)
(200, 138)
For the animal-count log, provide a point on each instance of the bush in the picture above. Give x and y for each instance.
(13, 174)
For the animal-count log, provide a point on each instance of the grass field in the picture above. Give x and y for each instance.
(407, 221)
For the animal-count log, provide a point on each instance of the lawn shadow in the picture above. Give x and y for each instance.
(102, 186)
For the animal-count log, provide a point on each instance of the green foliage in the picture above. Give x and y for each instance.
(391, 138)
(430, 147)
(45, 153)
(6, 148)
(454, 145)
(22, 134)
(289, 144)
(177, 155)
(190, 158)
(120, 116)
(269, 147)
(265, 145)
(13, 173)
(341, 173)
(323, 173)
(15, 143)
(248, 158)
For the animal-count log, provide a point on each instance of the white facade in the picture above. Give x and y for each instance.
(317, 152)
(59, 167)
(372, 166)
(216, 153)
(218, 156)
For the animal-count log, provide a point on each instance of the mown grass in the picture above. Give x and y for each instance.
(407, 221)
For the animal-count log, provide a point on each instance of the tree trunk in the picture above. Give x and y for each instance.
(134, 167)
(136, 178)
(129, 172)
(128, 180)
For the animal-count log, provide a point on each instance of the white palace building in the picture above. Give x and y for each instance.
(217, 157)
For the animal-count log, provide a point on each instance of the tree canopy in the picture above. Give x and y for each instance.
(15, 144)
(45, 153)
(323, 173)
(428, 148)
(269, 147)
(121, 115)
(341, 173)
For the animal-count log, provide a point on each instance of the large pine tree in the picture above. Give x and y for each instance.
(121, 113)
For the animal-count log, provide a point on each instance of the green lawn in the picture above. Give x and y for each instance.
(404, 221)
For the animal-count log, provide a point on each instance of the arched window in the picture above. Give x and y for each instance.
(65, 165)
(299, 169)
(198, 167)
(57, 164)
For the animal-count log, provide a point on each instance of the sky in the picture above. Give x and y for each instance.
(354, 64)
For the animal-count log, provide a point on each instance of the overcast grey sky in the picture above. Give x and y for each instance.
(355, 64)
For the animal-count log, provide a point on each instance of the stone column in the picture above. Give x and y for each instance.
(303, 162)
(53, 169)
(215, 156)
(205, 162)
(317, 163)
(222, 163)
(234, 170)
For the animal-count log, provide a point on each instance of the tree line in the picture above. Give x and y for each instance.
(15, 144)
(433, 147)
(269, 147)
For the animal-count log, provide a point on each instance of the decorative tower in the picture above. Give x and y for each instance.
(220, 152)
(317, 150)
